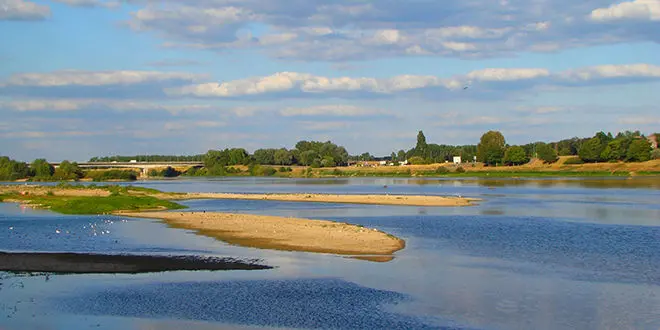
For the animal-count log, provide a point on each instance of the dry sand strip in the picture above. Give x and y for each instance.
(281, 233)
(409, 200)
(73, 263)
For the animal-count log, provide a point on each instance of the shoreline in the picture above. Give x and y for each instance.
(282, 233)
(400, 200)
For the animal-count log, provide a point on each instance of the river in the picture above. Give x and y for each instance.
(534, 254)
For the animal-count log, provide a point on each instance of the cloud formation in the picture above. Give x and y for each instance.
(298, 84)
(341, 30)
(92, 78)
(22, 10)
(90, 3)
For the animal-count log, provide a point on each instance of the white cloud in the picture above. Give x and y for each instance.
(296, 84)
(635, 10)
(91, 78)
(90, 3)
(341, 30)
(332, 110)
(22, 10)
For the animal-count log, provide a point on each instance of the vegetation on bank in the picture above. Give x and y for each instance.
(118, 199)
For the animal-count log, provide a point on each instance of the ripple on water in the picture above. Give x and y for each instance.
(313, 303)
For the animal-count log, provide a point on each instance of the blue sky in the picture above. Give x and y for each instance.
(83, 78)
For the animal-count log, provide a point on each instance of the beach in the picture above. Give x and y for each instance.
(282, 233)
(405, 200)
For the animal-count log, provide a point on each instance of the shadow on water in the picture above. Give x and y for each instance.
(325, 303)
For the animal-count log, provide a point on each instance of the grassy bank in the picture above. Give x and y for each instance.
(74, 199)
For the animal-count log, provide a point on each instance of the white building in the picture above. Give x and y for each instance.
(458, 160)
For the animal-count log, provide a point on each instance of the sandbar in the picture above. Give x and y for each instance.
(83, 263)
(406, 200)
(282, 233)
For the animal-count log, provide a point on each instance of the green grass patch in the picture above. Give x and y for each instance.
(101, 205)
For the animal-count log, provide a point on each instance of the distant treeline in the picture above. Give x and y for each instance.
(147, 158)
(41, 170)
(492, 150)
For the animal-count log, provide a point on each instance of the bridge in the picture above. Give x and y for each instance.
(144, 167)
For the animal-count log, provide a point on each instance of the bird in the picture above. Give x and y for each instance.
(57, 231)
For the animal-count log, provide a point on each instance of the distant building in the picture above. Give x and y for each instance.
(458, 160)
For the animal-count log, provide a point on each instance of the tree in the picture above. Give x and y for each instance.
(591, 150)
(491, 148)
(42, 169)
(68, 171)
(283, 157)
(421, 149)
(515, 155)
(12, 170)
(639, 151)
(401, 156)
(546, 153)
(265, 156)
(393, 157)
(308, 157)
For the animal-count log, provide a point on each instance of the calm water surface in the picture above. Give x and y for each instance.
(535, 254)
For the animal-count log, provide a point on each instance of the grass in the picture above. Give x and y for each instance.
(490, 174)
(122, 198)
(100, 205)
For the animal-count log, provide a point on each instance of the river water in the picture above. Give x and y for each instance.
(534, 254)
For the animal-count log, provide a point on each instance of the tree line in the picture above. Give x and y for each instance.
(493, 150)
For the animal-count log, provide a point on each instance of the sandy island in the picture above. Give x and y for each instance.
(281, 233)
(408, 200)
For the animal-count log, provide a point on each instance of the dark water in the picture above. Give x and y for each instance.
(535, 254)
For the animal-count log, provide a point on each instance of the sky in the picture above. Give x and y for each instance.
(85, 78)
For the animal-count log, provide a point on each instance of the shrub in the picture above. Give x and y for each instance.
(655, 154)
(268, 171)
(441, 170)
(126, 175)
(460, 169)
(574, 161)
(417, 161)
(337, 172)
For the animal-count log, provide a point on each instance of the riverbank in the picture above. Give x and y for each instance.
(403, 200)
(282, 233)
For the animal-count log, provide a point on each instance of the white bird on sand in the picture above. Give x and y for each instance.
(57, 231)
(11, 228)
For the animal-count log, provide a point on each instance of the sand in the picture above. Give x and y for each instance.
(281, 233)
(36, 190)
(408, 200)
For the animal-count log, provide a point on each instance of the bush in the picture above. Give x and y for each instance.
(337, 172)
(268, 171)
(655, 154)
(126, 175)
(574, 161)
(417, 161)
(441, 170)
(460, 169)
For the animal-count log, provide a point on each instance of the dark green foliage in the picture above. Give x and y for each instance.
(42, 169)
(68, 171)
(639, 151)
(125, 175)
(401, 156)
(149, 158)
(421, 149)
(515, 155)
(11, 170)
(310, 153)
(168, 172)
(491, 148)
(574, 161)
(460, 169)
(591, 150)
(285, 169)
(546, 153)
